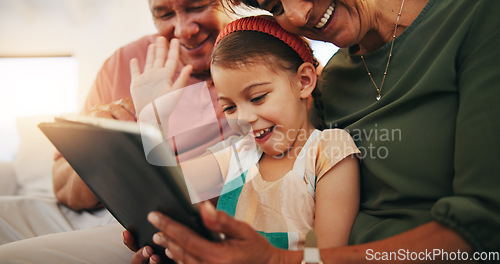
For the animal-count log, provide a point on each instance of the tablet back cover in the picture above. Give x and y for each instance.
(113, 164)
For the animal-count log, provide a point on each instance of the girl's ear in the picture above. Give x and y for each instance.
(307, 76)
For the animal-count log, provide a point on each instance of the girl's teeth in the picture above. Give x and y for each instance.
(260, 133)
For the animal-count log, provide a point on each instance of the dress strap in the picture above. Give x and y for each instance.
(299, 167)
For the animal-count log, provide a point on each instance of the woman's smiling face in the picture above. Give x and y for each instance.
(341, 22)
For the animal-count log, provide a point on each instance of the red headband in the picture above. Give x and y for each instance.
(271, 27)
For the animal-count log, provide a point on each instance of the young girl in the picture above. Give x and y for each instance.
(284, 177)
(304, 178)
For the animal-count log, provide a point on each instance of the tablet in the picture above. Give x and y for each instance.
(109, 157)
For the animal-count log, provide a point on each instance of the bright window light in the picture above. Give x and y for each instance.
(323, 51)
(32, 86)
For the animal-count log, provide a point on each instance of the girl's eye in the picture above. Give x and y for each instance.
(229, 109)
(258, 99)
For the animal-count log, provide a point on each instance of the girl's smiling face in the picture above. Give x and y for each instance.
(272, 101)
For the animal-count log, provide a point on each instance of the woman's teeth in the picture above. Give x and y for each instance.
(326, 16)
(261, 132)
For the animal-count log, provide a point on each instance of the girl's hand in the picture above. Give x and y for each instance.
(242, 244)
(159, 75)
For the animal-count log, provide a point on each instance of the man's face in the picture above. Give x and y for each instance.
(196, 23)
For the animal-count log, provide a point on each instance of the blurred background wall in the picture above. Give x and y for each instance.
(79, 34)
(88, 30)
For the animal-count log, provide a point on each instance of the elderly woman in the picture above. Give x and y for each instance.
(416, 84)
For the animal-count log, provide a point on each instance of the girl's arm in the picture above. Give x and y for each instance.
(337, 203)
(203, 175)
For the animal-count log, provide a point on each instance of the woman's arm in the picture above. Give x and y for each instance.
(337, 203)
(244, 245)
(421, 242)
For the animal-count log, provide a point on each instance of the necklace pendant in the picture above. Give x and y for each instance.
(379, 90)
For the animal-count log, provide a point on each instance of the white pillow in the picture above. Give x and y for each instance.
(34, 160)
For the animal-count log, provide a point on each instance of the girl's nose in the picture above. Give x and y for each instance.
(247, 116)
(185, 28)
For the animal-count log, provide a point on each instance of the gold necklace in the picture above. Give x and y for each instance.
(379, 90)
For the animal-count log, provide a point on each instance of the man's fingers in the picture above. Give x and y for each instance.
(134, 68)
(150, 57)
(113, 111)
(183, 78)
(100, 112)
(120, 113)
(160, 52)
(173, 58)
(128, 104)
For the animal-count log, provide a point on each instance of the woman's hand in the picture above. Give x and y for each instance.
(241, 244)
(159, 75)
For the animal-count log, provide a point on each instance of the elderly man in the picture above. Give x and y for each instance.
(196, 24)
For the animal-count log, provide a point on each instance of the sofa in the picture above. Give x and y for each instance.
(31, 171)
